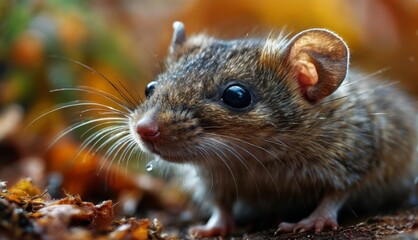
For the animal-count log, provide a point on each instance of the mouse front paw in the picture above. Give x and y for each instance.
(219, 224)
(202, 231)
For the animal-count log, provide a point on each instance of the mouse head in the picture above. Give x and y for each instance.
(223, 99)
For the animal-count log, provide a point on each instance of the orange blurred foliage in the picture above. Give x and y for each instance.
(28, 50)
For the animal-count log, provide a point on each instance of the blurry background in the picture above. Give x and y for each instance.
(126, 41)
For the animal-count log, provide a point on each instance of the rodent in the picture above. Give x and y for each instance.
(279, 125)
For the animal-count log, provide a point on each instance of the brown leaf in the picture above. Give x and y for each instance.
(103, 216)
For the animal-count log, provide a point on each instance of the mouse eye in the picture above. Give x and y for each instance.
(150, 88)
(236, 96)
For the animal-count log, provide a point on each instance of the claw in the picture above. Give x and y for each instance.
(319, 226)
(287, 227)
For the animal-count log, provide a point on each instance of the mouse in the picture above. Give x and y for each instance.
(279, 126)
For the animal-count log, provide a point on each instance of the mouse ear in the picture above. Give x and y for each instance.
(179, 36)
(321, 59)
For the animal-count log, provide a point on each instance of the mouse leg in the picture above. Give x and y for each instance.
(324, 216)
(220, 224)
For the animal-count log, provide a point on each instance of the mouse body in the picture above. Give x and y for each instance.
(279, 125)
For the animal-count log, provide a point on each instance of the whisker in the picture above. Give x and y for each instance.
(136, 99)
(76, 126)
(76, 103)
(216, 152)
(129, 149)
(100, 93)
(97, 138)
(128, 101)
(204, 155)
(367, 76)
(114, 150)
(239, 157)
(262, 149)
(101, 111)
(111, 139)
(358, 93)
(248, 143)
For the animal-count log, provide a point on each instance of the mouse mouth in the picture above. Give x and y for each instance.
(149, 147)
(169, 155)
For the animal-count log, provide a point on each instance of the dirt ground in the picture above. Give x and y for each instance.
(28, 213)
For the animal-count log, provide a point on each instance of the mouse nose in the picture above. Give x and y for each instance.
(148, 129)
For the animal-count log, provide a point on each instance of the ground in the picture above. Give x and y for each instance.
(28, 213)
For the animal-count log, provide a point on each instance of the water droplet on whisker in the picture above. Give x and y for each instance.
(150, 166)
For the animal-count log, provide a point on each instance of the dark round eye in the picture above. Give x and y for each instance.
(236, 96)
(150, 88)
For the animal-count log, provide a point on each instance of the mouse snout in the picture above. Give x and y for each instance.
(148, 129)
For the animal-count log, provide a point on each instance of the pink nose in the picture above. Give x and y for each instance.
(148, 129)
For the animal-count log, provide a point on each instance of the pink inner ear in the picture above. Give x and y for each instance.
(306, 73)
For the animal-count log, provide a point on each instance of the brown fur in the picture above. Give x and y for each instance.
(284, 153)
